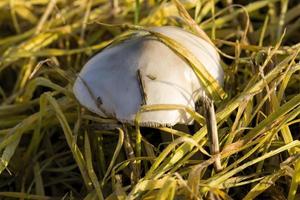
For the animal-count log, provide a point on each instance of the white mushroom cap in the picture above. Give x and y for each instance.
(109, 84)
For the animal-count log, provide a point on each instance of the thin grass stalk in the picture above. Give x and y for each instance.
(89, 165)
(137, 11)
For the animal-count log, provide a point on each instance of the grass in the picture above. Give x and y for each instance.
(51, 148)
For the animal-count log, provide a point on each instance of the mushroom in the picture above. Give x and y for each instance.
(115, 77)
(144, 71)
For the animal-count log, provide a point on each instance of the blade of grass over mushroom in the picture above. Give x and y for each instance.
(210, 85)
(147, 108)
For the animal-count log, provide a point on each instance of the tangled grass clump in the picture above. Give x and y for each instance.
(51, 148)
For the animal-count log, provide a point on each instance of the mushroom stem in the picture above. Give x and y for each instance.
(130, 155)
(212, 130)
